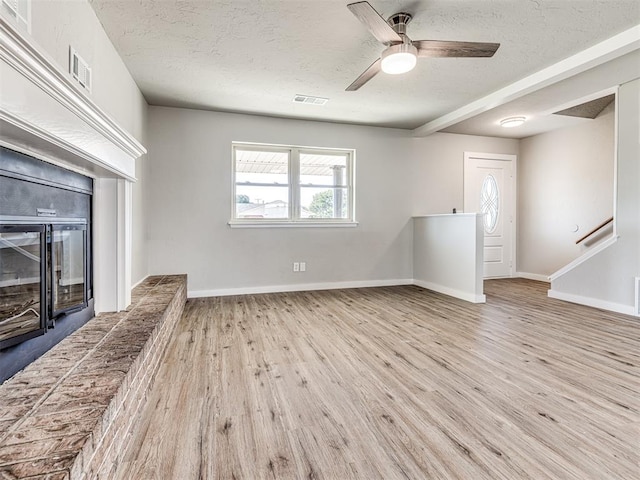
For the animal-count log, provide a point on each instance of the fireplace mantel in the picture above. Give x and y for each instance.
(44, 114)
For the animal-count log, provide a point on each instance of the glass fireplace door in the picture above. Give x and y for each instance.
(68, 268)
(22, 273)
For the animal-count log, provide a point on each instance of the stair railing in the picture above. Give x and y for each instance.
(595, 230)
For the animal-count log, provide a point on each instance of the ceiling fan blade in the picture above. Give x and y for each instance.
(367, 75)
(377, 25)
(437, 48)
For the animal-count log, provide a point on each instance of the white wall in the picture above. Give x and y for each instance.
(189, 187)
(438, 185)
(139, 255)
(57, 25)
(565, 178)
(607, 279)
(448, 254)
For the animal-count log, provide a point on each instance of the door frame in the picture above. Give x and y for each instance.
(468, 156)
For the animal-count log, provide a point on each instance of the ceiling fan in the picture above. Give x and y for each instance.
(401, 53)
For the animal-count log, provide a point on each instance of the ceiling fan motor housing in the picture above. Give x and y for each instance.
(398, 22)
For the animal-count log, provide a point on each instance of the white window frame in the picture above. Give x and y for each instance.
(294, 219)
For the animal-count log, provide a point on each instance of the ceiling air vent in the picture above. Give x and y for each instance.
(310, 100)
(20, 10)
(79, 70)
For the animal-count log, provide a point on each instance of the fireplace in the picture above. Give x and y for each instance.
(45, 115)
(45, 257)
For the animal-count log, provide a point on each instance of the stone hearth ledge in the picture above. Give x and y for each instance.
(68, 414)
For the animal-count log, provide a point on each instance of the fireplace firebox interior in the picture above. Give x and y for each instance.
(45, 257)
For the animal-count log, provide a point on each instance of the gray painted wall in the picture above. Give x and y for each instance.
(438, 188)
(189, 187)
(565, 178)
(609, 276)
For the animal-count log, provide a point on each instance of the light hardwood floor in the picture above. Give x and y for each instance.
(395, 382)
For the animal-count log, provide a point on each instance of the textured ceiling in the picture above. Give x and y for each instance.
(539, 106)
(254, 56)
(590, 109)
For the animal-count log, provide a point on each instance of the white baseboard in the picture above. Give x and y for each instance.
(592, 302)
(469, 297)
(533, 276)
(300, 287)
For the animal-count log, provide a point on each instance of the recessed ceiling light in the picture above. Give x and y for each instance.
(512, 122)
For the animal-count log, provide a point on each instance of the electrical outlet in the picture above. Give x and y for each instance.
(296, 267)
(303, 266)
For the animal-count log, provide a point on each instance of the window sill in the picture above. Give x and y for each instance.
(290, 224)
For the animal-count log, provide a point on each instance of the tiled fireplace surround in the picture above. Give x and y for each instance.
(90, 386)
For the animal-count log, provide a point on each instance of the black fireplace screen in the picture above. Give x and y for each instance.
(43, 275)
(22, 290)
(68, 268)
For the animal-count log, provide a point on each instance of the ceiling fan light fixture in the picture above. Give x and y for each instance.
(512, 122)
(398, 59)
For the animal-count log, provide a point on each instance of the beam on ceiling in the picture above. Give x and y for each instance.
(605, 51)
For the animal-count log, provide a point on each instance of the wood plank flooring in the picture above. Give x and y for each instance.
(394, 383)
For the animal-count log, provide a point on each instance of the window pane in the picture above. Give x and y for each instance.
(262, 202)
(490, 203)
(323, 169)
(262, 167)
(324, 203)
(267, 177)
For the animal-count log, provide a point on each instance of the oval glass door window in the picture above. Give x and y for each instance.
(490, 203)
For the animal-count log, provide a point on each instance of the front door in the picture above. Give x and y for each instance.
(489, 188)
